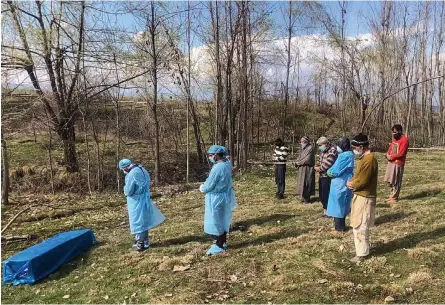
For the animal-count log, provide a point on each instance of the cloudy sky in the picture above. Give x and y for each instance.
(307, 48)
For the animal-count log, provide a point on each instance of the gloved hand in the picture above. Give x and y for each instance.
(329, 173)
(201, 188)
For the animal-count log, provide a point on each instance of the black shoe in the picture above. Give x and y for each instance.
(139, 246)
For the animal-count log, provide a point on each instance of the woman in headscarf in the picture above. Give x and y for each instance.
(339, 204)
(306, 173)
(218, 199)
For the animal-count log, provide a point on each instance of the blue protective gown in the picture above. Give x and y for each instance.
(142, 213)
(231, 194)
(218, 205)
(339, 203)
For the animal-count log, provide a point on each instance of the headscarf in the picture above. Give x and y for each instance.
(344, 144)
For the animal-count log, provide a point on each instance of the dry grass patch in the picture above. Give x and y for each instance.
(280, 251)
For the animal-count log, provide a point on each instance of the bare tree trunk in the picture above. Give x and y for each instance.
(118, 135)
(423, 91)
(154, 75)
(50, 159)
(245, 82)
(286, 85)
(343, 65)
(87, 144)
(189, 62)
(440, 81)
(5, 172)
(219, 137)
(96, 138)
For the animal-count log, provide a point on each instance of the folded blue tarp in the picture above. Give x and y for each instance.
(38, 261)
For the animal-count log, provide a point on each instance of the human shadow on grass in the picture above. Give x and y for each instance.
(392, 217)
(183, 240)
(269, 238)
(408, 241)
(244, 225)
(424, 194)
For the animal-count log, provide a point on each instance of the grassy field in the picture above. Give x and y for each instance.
(279, 251)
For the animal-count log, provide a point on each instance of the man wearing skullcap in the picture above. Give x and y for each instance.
(364, 186)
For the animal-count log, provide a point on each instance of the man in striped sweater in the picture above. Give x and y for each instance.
(280, 157)
(327, 157)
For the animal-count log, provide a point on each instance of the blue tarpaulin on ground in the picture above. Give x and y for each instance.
(38, 261)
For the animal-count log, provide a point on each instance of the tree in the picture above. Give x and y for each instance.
(60, 52)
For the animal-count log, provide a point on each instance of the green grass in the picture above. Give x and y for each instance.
(279, 251)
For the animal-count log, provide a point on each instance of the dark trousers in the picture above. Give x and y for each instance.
(340, 224)
(220, 240)
(280, 178)
(324, 186)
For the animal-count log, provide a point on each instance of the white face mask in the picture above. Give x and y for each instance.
(358, 152)
(339, 150)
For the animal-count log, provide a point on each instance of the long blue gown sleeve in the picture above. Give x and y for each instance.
(341, 165)
(130, 186)
(212, 180)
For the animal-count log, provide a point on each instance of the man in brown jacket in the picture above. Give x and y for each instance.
(364, 186)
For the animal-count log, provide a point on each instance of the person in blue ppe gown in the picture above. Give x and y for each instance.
(339, 203)
(218, 202)
(142, 213)
(232, 197)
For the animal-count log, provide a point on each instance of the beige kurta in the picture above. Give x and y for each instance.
(362, 218)
(394, 176)
(362, 207)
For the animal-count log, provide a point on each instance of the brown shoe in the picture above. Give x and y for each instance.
(337, 233)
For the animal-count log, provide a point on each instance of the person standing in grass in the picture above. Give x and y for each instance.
(327, 157)
(142, 213)
(364, 186)
(396, 156)
(339, 204)
(306, 173)
(280, 157)
(218, 201)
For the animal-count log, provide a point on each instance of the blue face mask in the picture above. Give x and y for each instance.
(322, 148)
(339, 150)
(212, 160)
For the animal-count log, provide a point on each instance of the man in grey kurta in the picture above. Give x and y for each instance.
(306, 174)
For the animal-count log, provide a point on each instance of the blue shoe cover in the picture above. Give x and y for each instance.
(214, 249)
(225, 246)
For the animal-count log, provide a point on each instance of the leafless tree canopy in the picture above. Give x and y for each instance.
(176, 77)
